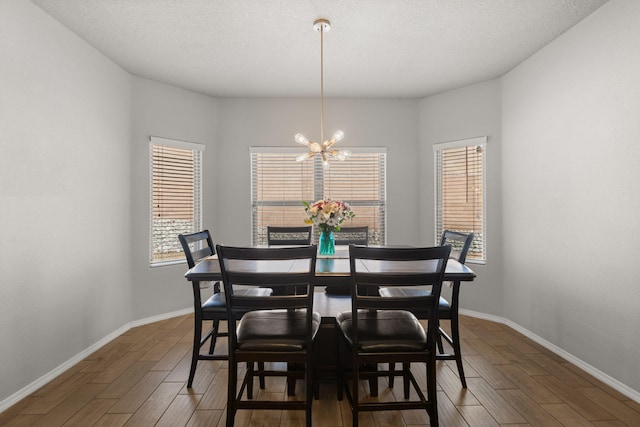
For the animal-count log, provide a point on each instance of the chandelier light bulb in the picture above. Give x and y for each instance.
(302, 157)
(338, 136)
(301, 139)
(342, 155)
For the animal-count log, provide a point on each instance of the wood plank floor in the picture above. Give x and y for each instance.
(139, 379)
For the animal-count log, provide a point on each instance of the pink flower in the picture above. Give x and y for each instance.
(328, 214)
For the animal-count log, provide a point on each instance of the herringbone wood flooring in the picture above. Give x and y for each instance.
(139, 379)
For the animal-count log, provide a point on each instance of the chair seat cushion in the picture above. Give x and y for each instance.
(275, 330)
(217, 304)
(384, 331)
(443, 305)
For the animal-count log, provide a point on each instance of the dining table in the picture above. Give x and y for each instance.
(332, 271)
(334, 274)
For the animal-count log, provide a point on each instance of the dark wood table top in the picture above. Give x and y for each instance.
(329, 305)
(326, 268)
(331, 271)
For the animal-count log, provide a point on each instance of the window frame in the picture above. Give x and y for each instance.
(198, 150)
(480, 240)
(319, 187)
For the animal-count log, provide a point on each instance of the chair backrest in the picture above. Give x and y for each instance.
(459, 242)
(398, 267)
(288, 236)
(196, 246)
(352, 235)
(267, 267)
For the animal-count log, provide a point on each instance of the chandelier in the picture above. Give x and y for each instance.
(324, 149)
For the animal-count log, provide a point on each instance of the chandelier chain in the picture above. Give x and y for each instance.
(321, 83)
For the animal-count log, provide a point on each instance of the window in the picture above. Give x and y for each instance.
(460, 191)
(175, 196)
(280, 184)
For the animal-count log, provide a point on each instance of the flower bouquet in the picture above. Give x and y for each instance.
(327, 215)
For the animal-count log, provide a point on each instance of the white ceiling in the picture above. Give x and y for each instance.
(376, 48)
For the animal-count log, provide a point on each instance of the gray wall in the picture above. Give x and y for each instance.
(571, 151)
(65, 187)
(168, 112)
(461, 114)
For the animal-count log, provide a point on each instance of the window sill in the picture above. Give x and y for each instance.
(166, 263)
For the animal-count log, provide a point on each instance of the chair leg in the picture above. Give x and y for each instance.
(197, 332)
(405, 377)
(231, 392)
(291, 380)
(250, 372)
(316, 386)
(309, 383)
(455, 332)
(214, 336)
(261, 376)
(406, 381)
(439, 343)
(455, 336)
(373, 381)
(355, 394)
(340, 369)
(431, 392)
(250, 368)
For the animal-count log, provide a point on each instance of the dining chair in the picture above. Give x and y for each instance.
(197, 246)
(460, 244)
(274, 328)
(384, 330)
(352, 235)
(288, 236)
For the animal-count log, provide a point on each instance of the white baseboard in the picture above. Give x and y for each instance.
(611, 382)
(160, 317)
(35, 385)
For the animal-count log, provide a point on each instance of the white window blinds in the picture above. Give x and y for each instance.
(460, 191)
(175, 196)
(280, 184)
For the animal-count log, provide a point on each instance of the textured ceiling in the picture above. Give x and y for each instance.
(376, 48)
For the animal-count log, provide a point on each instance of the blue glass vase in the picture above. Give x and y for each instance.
(327, 244)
